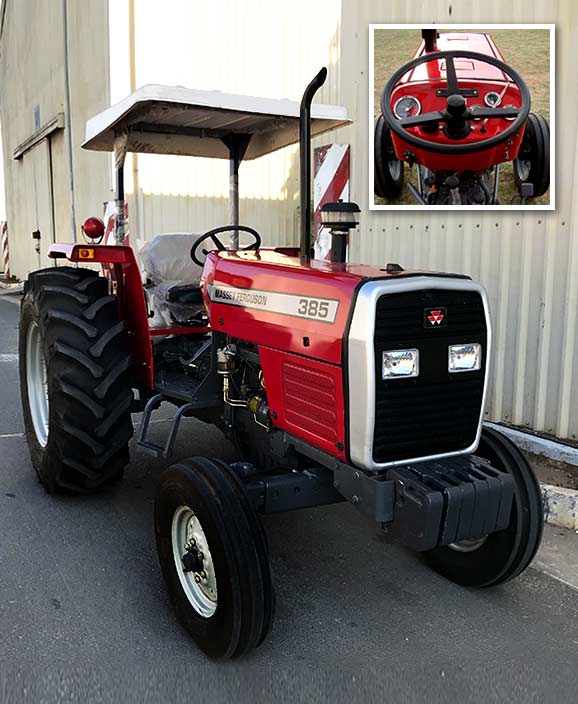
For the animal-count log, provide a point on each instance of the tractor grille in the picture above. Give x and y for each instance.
(435, 412)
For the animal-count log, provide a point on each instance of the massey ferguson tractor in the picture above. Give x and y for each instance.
(334, 381)
(457, 112)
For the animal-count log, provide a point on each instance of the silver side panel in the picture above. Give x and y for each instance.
(363, 376)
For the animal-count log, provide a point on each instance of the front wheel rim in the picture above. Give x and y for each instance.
(37, 383)
(524, 168)
(194, 562)
(469, 544)
(395, 167)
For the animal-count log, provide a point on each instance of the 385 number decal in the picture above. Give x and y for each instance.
(313, 308)
(322, 310)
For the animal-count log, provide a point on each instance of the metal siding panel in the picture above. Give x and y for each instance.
(528, 262)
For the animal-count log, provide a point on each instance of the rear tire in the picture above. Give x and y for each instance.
(503, 555)
(532, 165)
(77, 417)
(226, 600)
(388, 169)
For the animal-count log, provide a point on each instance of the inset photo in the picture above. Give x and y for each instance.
(461, 116)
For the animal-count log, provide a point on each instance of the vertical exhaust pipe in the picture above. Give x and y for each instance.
(430, 39)
(305, 160)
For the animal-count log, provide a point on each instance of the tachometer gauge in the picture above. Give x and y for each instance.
(407, 106)
(492, 100)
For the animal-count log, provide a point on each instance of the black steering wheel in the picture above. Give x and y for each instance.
(213, 236)
(456, 116)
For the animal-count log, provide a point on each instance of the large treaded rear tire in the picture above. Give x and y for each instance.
(88, 386)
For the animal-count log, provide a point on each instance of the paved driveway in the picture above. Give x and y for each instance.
(84, 616)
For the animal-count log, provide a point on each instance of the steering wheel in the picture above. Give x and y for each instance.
(456, 116)
(213, 236)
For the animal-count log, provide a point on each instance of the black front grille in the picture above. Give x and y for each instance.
(435, 412)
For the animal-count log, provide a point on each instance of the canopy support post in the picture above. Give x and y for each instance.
(237, 144)
(120, 145)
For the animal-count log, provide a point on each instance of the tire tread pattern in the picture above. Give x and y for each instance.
(88, 372)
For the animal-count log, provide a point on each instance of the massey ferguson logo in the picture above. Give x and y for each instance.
(435, 317)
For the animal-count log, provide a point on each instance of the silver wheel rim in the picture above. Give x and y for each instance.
(468, 545)
(200, 585)
(524, 167)
(37, 384)
(394, 169)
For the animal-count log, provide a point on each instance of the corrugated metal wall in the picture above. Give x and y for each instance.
(527, 260)
(258, 47)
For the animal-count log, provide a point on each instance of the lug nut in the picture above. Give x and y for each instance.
(197, 579)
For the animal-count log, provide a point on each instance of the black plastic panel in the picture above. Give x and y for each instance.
(439, 503)
(436, 412)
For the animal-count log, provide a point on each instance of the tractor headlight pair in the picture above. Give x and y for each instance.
(404, 364)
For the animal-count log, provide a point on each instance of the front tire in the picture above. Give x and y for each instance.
(74, 380)
(388, 169)
(503, 555)
(214, 557)
(532, 164)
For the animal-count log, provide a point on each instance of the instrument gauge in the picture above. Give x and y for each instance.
(473, 108)
(406, 106)
(510, 119)
(492, 99)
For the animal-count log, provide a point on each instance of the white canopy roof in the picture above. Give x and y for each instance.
(177, 120)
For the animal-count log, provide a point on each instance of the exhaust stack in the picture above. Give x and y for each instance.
(305, 161)
(430, 38)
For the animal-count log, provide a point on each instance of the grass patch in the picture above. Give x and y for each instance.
(526, 50)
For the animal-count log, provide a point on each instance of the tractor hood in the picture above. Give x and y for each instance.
(272, 298)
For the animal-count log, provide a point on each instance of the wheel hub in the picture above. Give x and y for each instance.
(194, 562)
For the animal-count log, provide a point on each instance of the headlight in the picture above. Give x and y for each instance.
(465, 358)
(399, 364)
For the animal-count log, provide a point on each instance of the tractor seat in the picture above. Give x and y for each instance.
(185, 294)
(173, 280)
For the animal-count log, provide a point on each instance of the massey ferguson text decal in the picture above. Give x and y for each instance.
(323, 310)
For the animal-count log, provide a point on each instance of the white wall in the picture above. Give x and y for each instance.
(32, 74)
(2, 194)
(256, 47)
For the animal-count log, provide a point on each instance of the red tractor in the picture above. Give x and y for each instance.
(334, 381)
(457, 112)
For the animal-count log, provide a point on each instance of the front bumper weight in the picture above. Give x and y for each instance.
(443, 502)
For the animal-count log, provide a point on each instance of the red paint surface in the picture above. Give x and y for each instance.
(306, 395)
(422, 83)
(126, 284)
(270, 270)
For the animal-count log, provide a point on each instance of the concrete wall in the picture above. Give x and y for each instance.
(32, 93)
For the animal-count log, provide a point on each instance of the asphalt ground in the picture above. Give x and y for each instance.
(84, 615)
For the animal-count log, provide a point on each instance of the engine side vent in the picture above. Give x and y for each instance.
(310, 401)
